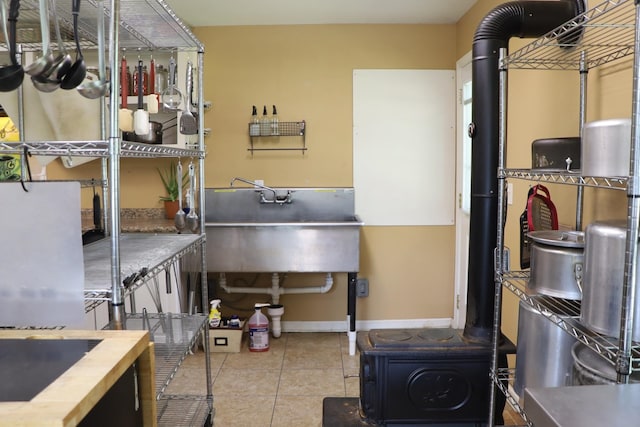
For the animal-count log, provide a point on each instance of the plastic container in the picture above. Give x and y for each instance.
(259, 330)
(214, 314)
(234, 322)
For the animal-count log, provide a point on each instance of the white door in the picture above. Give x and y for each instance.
(463, 187)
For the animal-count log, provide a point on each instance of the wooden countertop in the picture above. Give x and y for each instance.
(68, 399)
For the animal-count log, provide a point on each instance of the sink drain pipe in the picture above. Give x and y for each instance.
(275, 290)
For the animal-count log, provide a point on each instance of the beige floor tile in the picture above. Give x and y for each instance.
(271, 359)
(298, 411)
(312, 357)
(243, 382)
(352, 386)
(196, 360)
(188, 382)
(351, 364)
(306, 340)
(243, 411)
(312, 382)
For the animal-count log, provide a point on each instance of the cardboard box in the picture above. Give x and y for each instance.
(225, 340)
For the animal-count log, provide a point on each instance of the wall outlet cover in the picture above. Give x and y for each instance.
(362, 288)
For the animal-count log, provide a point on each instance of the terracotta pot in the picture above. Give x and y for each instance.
(171, 208)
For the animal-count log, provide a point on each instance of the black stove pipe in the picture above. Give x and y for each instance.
(522, 19)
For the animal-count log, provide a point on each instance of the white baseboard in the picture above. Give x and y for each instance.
(363, 325)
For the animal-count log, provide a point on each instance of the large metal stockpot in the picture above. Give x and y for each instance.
(556, 263)
(591, 368)
(605, 246)
(606, 147)
(544, 351)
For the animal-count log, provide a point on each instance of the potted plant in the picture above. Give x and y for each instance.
(169, 179)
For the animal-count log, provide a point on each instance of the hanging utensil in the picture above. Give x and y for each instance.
(11, 76)
(188, 123)
(525, 243)
(93, 89)
(64, 62)
(192, 217)
(44, 62)
(152, 98)
(180, 218)
(152, 76)
(171, 96)
(78, 71)
(50, 79)
(98, 231)
(541, 212)
(125, 116)
(4, 15)
(140, 117)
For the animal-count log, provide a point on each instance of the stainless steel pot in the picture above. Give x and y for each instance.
(556, 263)
(603, 279)
(544, 351)
(606, 147)
(153, 137)
(591, 368)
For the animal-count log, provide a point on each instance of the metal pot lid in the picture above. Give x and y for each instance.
(566, 239)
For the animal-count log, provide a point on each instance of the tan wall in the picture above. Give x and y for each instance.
(307, 72)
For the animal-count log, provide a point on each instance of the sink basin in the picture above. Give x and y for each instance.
(317, 231)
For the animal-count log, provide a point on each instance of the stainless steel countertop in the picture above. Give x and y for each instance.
(137, 250)
(583, 406)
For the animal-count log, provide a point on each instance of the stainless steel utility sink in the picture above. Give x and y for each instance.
(308, 230)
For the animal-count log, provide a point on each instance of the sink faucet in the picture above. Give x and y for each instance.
(276, 199)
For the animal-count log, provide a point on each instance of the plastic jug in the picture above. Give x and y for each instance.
(259, 329)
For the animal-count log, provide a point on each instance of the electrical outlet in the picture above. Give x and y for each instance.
(362, 288)
(509, 193)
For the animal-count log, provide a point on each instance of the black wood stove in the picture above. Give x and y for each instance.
(425, 376)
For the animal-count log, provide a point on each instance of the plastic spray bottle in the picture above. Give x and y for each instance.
(214, 314)
(259, 329)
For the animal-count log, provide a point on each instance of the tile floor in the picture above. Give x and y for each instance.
(283, 387)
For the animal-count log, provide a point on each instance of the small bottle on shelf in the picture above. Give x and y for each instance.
(145, 81)
(274, 122)
(254, 124)
(265, 123)
(161, 78)
(129, 81)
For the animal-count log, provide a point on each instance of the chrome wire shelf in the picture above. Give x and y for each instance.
(156, 253)
(600, 35)
(174, 335)
(615, 183)
(93, 298)
(504, 378)
(188, 411)
(566, 314)
(96, 149)
(144, 24)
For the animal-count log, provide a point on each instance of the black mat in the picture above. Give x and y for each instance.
(342, 412)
